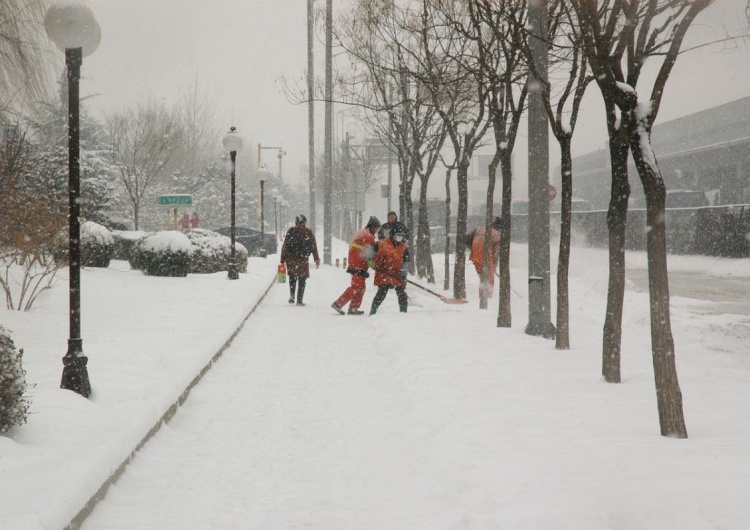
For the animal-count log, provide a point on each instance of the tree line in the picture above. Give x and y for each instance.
(435, 80)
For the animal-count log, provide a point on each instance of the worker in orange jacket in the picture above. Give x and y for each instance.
(391, 260)
(475, 241)
(360, 250)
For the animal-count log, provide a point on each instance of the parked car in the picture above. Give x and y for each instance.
(250, 239)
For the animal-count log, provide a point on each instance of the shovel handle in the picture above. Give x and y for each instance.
(426, 289)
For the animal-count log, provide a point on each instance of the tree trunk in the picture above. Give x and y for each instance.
(668, 394)
(405, 215)
(459, 270)
(446, 278)
(503, 311)
(488, 217)
(562, 334)
(616, 223)
(423, 254)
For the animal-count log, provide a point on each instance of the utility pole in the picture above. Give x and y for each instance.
(311, 111)
(390, 167)
(540, 323)
(328, 184)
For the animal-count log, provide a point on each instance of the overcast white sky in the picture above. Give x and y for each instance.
(240, 49)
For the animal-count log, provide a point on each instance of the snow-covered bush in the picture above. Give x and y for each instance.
(14, 404)
(212, 252)
(164, 253)
(97, 245)
(125, 240)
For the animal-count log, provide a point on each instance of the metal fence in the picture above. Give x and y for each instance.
(710, 231)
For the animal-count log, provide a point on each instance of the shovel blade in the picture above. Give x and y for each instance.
(454, 300)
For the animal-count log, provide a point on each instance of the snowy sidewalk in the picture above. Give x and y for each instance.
(146, 339)
(435, 419)
(429, 420)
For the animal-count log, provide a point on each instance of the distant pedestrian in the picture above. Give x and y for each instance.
(360, 251)
(393, 222)
(299, 243)
(475, 241)
(185, 222)
(391, 259)
(195, 221)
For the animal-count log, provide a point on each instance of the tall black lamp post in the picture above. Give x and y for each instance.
(232, 143)
(73, 28)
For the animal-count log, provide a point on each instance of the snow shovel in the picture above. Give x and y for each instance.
(443, 299)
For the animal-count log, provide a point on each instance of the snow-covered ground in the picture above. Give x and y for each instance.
(435, 419)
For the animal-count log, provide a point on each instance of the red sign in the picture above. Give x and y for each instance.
(552, 192)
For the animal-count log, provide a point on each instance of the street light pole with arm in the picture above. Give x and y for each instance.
(262, 193)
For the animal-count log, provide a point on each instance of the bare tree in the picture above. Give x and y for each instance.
(144, 139)
(25, 59)
(498, 29)
(28, 225)
(385, 89)
(619, 36)
(199, 144)
(562, 96)
(460, 96)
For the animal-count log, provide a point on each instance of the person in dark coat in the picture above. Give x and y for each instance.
(299, 243)
(390, 225)
(391, 259)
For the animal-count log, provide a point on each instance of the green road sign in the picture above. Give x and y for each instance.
(175, 200)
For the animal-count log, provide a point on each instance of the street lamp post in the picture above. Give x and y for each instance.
(232, 143)
(262, 193)
(540, 323)
(280, 155)
(276, 215)
(73, 28)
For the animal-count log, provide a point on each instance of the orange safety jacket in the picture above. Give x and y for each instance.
(390, 260)
(360, 251)
(477, 247)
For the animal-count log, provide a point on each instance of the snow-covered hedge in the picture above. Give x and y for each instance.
(164, 253)
(14, 405)
(212, 252)
(125, 240)
(97, 245)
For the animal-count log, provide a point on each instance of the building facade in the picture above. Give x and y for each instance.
(707, 151)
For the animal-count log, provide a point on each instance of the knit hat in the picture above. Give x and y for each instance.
(497, 223)
(398, 229)
(300, 219)
(373, 222)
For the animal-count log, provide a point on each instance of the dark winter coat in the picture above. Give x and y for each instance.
(387, 228)
(299, 243)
